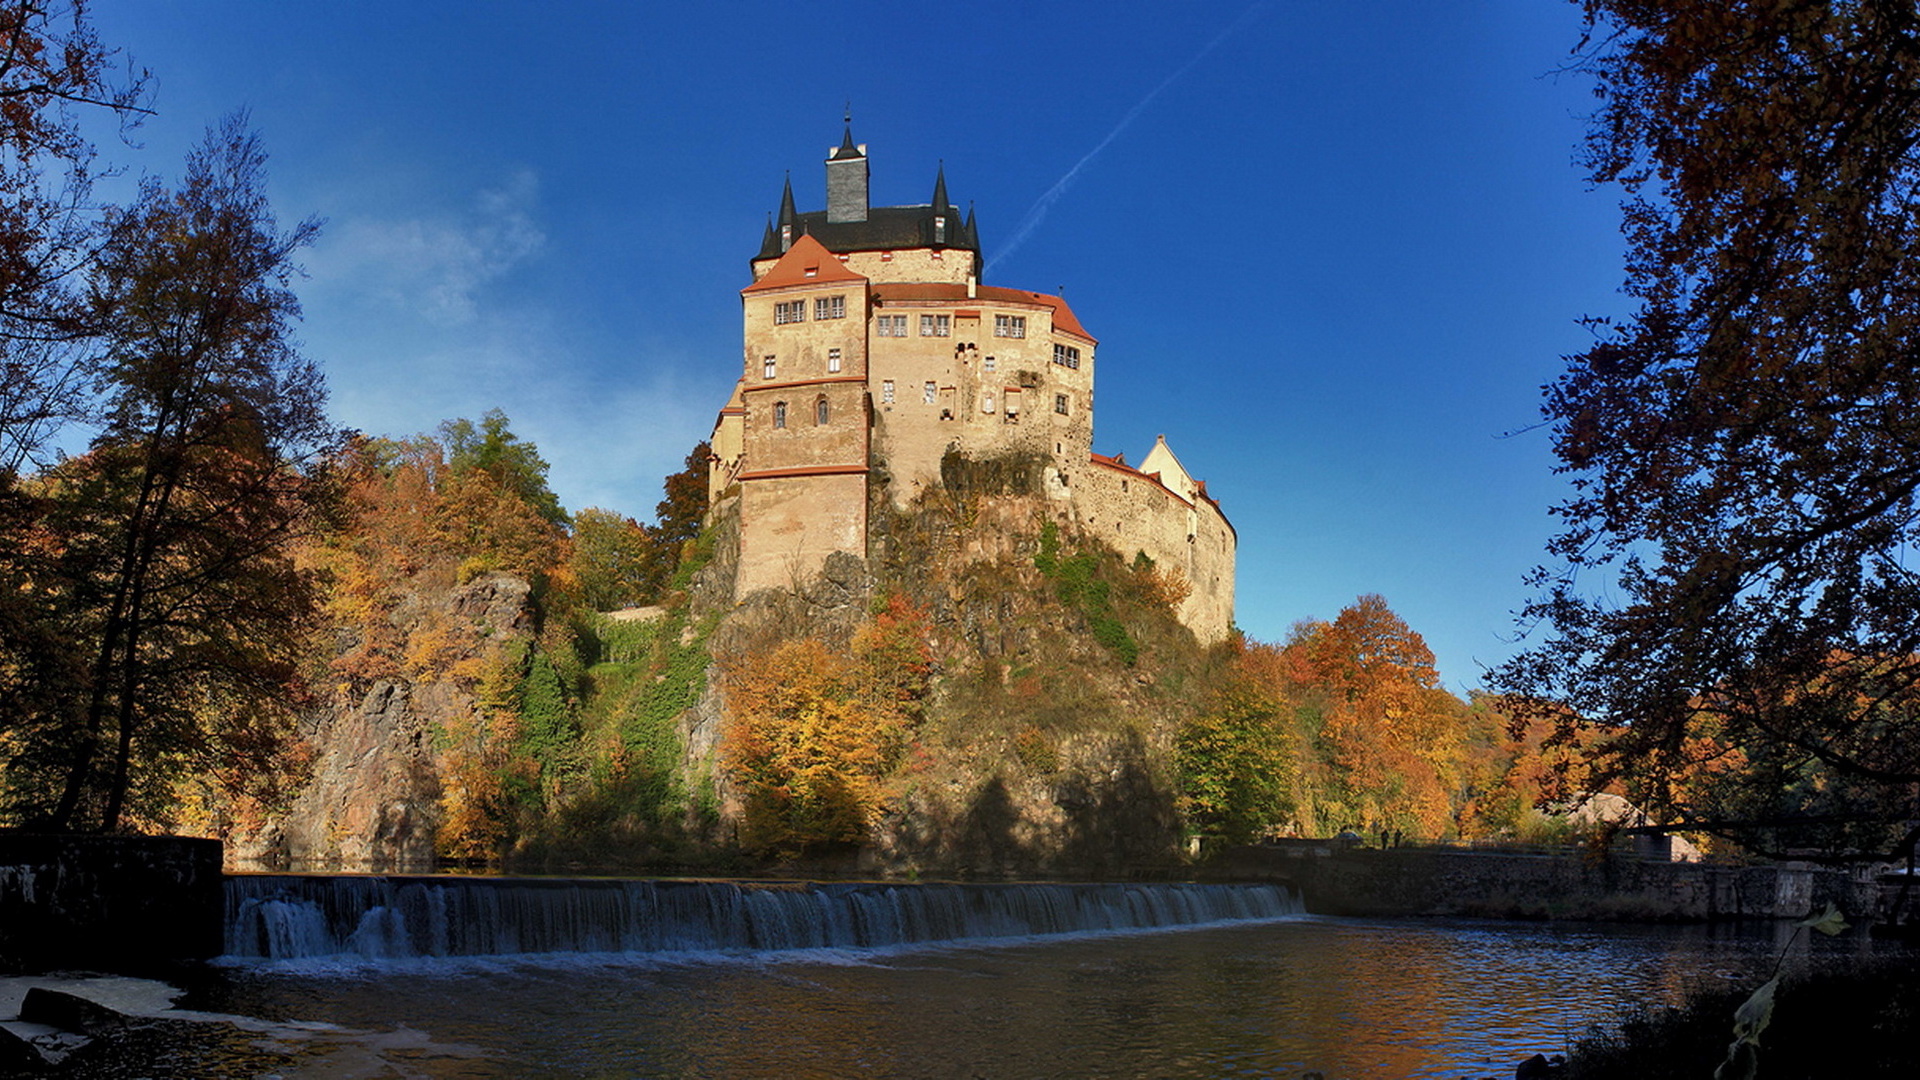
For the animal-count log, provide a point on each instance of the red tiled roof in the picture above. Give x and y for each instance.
(807, 262)
(1063, 317)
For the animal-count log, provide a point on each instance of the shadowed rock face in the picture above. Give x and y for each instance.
(372, 800)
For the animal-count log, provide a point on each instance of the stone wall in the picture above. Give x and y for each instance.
(1571, 886)
(109, 903)
(1135, 512)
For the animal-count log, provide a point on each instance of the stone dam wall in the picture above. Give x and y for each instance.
(109, 903)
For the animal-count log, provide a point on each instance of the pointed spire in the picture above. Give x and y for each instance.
(940, 190)
(970, 234)
(847, 147)
(787, 212)
(770, 240)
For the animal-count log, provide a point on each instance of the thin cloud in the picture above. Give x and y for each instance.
(435, 266)
(1038, 212)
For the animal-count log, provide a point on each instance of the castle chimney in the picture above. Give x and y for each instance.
(847, 180)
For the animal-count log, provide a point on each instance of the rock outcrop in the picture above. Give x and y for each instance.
(372, 802)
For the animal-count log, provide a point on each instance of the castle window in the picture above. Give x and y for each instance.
(785, 312)
(989, 364)
(890, 326)
(986, 403)
(833, 360)
(830, 307)
(1066, 356)
(927, 392)
(1010, 326)
(779, 414)
(936, 325)
(820, 410)
(766, 368)
(1060, 404)
(886, 392)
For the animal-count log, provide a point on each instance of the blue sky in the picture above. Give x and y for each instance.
(1331, 250)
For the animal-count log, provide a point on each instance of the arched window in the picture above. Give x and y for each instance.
(779, 414)
(820, 409)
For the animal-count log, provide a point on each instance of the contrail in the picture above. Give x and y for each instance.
(1060, 186)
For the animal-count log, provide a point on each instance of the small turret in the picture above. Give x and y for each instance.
(942, 211)
(788, 215)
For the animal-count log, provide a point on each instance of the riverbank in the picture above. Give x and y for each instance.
(1859, 1022)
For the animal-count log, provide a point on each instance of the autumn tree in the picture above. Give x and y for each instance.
(1743, 446)
(814, 733)
(52, 66)
(52, 69)
(1389, 732)
(171, 534)
(677, 521)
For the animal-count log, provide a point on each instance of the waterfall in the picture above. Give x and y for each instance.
(296, 916)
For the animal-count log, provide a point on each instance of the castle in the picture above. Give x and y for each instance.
(872, 351)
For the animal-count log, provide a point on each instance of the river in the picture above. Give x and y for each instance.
(1260, 995)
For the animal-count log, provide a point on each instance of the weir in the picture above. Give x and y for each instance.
(300, 916)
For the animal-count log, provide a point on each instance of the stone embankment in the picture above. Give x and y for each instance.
(107, 903)
(1571, 885)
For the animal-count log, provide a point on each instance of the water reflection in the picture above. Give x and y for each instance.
(1350, 998)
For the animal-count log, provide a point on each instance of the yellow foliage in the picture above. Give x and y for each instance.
(813, 734)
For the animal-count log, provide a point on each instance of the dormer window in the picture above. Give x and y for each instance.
(812, 271)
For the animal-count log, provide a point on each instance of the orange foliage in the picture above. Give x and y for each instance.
(813, 734)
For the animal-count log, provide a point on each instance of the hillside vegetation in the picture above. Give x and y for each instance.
(990, 693)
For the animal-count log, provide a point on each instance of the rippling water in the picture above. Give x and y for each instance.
(1348, 998)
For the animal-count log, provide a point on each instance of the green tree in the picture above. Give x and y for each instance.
(173, 530)
(515, 465)
(1236, 764)
(609, 559)
(1744, 448)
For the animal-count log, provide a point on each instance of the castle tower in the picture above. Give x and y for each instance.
(847, 181)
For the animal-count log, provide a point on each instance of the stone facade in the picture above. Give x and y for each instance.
(871, 351)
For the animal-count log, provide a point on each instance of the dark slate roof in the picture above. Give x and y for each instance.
(847, 148)
(887, 228)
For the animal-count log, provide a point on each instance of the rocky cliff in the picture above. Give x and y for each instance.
(373, 799)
